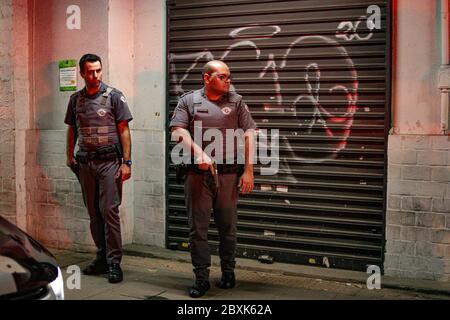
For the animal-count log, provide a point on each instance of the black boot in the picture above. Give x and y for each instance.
(228, 281)
(115, 274)
(96, 267)
(199, 289)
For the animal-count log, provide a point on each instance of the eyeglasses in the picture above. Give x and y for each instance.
(221, 76)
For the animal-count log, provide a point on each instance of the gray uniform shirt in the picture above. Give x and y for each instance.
(119, 104)
(183, 116)
(230, 112)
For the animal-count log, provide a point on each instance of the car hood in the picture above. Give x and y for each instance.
(39, 266)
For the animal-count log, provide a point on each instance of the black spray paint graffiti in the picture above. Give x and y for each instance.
(321, 116)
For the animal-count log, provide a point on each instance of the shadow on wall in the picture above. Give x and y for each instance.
(57, 216)
(44, 219)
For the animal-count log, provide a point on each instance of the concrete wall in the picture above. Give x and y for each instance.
(121, 75)
(130, 38)
(22, 99)
(416, 63)
(418, 215)
(149, 125)
(7, 114)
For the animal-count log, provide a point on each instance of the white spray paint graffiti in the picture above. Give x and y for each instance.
(313, 87)
(239, 32)
(206, 54)
(348, 31)
(242, 44)
(313, 97)
(272, 65)
(321, 117)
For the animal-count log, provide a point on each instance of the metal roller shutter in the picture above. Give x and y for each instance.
(314, 70)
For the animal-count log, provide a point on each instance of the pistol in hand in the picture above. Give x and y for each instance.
(215, 174)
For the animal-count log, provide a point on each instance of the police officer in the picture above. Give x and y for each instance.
(98, 116)
(213, 107)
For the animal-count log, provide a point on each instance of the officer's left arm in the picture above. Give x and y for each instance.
(125, 139)
(247, 179)
(246, 122)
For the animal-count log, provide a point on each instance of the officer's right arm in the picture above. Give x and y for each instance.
(70, 147)
(179, 124)
(181, 135)
(70, 120)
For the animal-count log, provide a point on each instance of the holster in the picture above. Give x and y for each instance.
(76, 170)
(221, 169)
(82, 156)
(181, 172)
(110, 152)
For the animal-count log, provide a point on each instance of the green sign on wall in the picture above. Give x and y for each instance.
(68, 75)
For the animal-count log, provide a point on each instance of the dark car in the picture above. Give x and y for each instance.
(28, 271)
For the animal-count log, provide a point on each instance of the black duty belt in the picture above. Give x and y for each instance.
(221, 168)
(103, 153)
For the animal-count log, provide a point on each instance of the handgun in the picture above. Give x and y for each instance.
(75, 167)
(181, 171)
(215, 174)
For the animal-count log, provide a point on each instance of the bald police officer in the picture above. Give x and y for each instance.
(98, 116)
(214, 107)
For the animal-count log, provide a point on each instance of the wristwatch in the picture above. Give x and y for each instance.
(128, 162)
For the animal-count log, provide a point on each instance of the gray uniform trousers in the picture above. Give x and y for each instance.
(102, 195)
(201, 196)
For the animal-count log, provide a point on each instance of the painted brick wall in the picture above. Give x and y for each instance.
(56, 213)
(418, 214)
(149, 223)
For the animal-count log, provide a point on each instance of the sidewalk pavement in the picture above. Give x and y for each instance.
(152, 273)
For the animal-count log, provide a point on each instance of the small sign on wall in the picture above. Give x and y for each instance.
(67, 75)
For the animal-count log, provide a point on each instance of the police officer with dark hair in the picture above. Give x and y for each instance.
(214, 107)
(98, 117)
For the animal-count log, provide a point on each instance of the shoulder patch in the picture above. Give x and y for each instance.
(187, 93)
(76, 94)
(114, 91)
(123, 99)
(108, 91)
(234, 97)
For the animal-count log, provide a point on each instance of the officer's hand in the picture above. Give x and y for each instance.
(246, 183)
(204, 162)
(124, 173)
(73, 165)
(71, 162)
